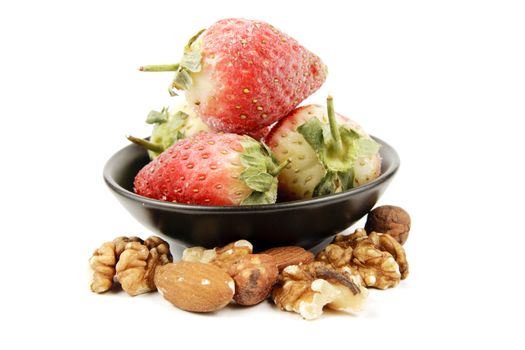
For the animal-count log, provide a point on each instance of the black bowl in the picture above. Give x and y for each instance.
(305, 223)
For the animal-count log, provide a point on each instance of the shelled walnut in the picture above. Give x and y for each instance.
(379, 259)
(137, 263)
(131, 260)
(103, 262)
(335, 255)
(308, 288)
(120, 243)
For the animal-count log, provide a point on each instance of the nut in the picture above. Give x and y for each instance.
(378, 258)
(307, 289)
(120, 243)
(254, 276)
(378, 269)
(389, 244)
(229, 254)
(137, 263)
(391, 220)
(335, 255)
(291, 255)
(195, 286)
(222, 257)
(199, 254)
(102, 264)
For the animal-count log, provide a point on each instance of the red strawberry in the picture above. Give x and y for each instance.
(242, 74)
(212, 169)
(325, 157)
(260, 134)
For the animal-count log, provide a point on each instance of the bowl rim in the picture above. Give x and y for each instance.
(295, 204)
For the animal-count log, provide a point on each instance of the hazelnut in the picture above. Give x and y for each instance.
(391, 220)
(254, 276)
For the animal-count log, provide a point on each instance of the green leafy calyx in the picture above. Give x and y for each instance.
(189, 63)
(337, 148)
(260, 173)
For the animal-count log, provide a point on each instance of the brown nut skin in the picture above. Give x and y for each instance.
(391, 220)
(289, 255)
(195, 286)
(254, 276)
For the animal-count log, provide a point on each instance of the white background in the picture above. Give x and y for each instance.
(442, 81)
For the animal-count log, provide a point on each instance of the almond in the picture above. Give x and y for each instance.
(291, 255)
(195, 286)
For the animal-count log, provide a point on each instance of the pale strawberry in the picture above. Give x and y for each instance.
(328, 152)
(212, 169)
(169, 127)
(242, 75)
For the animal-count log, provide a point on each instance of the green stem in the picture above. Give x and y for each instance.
(146, 144)
(281, 166)
(160, 68)
(333, 123)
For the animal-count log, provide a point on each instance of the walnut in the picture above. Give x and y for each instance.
(308, 288)
(103, 266)
(137, 263)
(378, 269)
(120, 243)
(378, 258)
(222, 257)
(335, 255)
(391, 220)
(254, 276)
(389, 244)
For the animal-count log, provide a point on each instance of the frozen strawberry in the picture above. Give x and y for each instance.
(212, 169)
(241, 75)
(169, 127)
(260, 134)
(329, 153)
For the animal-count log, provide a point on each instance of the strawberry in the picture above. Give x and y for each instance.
(260, 134)
(169, 128)
(241, 74)
(212, 169)
(326, 157)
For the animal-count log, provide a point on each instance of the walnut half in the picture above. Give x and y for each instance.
(307, 289)
(131, 260)
(137, 263)
(378, 258)
(103, 262)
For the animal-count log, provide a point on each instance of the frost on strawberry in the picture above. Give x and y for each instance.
(329, 153)
(212, 169)
(241, 75)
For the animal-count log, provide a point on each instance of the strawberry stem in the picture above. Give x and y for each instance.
(160, 68)
(281, 166)
(146, 144)
(333, 123)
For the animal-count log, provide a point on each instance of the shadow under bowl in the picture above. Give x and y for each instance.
(307, 223)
